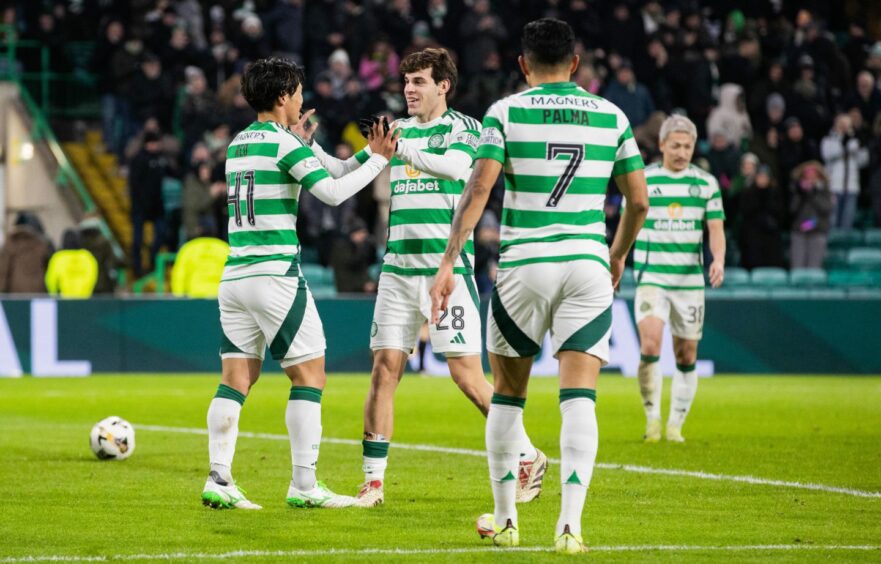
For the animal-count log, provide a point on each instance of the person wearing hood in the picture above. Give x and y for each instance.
(72, 271)
(24, 257)
(730, 116)
(810, 206)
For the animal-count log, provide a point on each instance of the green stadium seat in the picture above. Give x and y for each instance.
(836, 259)
(374, 270)
(321, 292)
(769, 277)
(845, 239)
(789, 293)
(736, 276)
(827, 293)
(864, 293)
(748, 293)
(848, 278)
(309, 255)
(872, 238)
(314, 273)
(808, 277)
(864, 258)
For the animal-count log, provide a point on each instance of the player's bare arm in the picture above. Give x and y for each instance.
(632, 185)
(716, 229)
(468, 213)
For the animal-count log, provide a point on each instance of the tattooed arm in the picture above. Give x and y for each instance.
(468, 213)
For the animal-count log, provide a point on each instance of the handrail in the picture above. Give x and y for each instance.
(158, 274)
(42, 131)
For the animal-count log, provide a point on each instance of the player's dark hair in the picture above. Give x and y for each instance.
(548, 42)
(438, 60)
(266, 80)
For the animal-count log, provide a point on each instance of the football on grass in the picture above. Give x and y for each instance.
(112, 438)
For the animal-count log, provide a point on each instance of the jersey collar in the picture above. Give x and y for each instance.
(557, 85)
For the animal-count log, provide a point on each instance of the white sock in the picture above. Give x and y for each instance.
(303, 419)
(375, 459)
(682, 395)
(223, 429)
(504, 441)
(527, 450)
(579, 438)
(651, 384)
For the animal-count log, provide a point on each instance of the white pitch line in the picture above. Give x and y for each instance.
(430, 551)
(604, 465)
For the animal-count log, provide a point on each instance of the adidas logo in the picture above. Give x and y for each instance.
(656, 192)
(458, 339)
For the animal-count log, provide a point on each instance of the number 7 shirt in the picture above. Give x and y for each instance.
(559, 145)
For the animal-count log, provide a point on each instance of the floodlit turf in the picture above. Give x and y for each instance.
(59, 500)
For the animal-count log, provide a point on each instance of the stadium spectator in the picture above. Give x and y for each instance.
(632, 97)
(481, 32)
(338, 73)
(843, 157)
(94, 241)
(398, 21)
(201, 196)
(24, 257)
(73, 271)
(284, 26)
(760, 94)
(794, 149)
(351, 256)
(730, 118)
(723, 158)
(761, 212)
(107, 50)
(253, 42)
(198, 268)
(148, 168)
(323, 25)
(198, 108)
(866, 98)
(377, 65)
(151, 93)
(810, 205)
(745, 177)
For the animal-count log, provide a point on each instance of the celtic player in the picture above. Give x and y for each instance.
(668, 261)
(263, 298)
(432, 162)
(558, 145)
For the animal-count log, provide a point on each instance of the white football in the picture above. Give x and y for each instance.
(112, 438)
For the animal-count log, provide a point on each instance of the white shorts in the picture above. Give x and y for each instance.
(270, 310)
(403, 305)
(571, 299)
(682, 309)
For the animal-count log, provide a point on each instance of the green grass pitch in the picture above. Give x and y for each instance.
(60, 501)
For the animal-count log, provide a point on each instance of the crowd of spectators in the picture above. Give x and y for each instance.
(785, 95)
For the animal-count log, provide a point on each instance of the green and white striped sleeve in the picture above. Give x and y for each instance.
(301, 163)
(714, 203)
(465, 135)
(492, 135)
(627, 157)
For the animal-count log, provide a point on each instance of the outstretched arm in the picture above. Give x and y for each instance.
(452, 165)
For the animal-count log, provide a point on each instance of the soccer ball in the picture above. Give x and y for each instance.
(112, 438)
